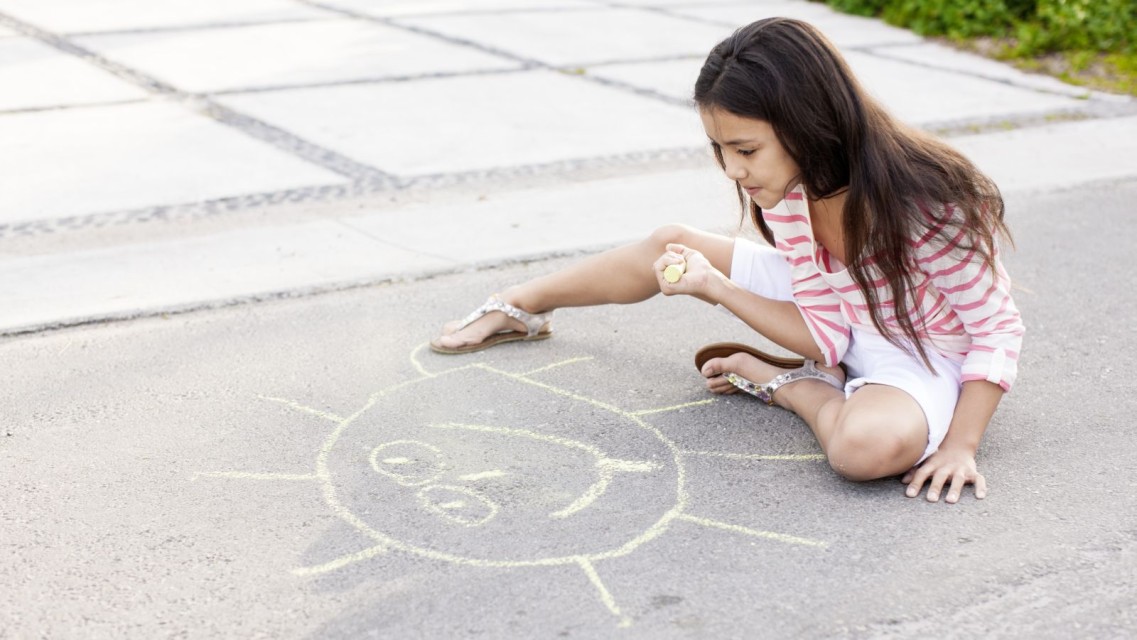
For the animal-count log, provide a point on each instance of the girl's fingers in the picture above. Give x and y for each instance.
(957, 482)
(937, 485)
(678, 248)
(980, 486)
(908, 476)
(917, 482)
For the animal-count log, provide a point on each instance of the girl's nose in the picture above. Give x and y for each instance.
(735, 170)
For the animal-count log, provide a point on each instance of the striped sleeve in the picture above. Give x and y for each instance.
(981, 299)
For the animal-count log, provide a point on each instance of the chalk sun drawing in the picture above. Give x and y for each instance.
(426, 467)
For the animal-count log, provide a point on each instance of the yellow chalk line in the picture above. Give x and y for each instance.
(440, 510)
(793, 457)
(561, 392)
(769, 535)
(299, 407)
(471, 477)
(558, 364)
(421, 369)
(606, 467)
(341, 562)
(245, 475)
(605, 595)
(697, 403)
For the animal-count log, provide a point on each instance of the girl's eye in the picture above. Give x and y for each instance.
(745, 152)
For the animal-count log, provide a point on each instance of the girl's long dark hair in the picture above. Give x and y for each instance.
(902, 184)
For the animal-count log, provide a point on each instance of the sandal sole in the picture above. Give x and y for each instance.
(724, 349)
(494, 340)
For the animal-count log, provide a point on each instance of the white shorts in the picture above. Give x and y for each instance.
(870, 358)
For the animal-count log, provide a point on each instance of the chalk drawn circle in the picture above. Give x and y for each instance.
(501, 495)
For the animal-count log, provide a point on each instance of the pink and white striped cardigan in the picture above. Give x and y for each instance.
(965, 311)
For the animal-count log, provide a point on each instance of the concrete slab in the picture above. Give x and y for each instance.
(288, 54)
(471, 123)
(109, 158)
(938, 56)
(127, 280)
(844, 30)
(920, 95)
(397, 8)
(36, 76)
(121, 282)
(1056, 156)
(577, 38)
(528, 223)
(82, 16)
(674, 78)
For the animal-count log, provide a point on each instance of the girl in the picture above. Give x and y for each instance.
(883, 271)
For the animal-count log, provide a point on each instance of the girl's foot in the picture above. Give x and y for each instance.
(755, 370)
(494, 322)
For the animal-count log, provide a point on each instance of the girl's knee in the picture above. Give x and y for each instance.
(670, 234)
(867, 447)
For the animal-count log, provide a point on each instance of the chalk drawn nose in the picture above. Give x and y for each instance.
(460, 505)
(408, 462)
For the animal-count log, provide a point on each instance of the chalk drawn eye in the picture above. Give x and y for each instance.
(460, 505)
(408, 462)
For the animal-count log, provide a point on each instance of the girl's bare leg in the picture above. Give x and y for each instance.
(880, 431)
(620, 276)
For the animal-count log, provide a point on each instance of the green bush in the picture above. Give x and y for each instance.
(953, 18)
(1088, 25)
(1037, 26)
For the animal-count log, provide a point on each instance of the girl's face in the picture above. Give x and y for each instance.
(753, 156)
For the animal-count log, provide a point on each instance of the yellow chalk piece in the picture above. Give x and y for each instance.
(674, 271)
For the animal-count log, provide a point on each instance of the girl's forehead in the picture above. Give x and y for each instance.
(722, 125)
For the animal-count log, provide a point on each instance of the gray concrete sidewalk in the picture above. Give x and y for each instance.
(180, 155)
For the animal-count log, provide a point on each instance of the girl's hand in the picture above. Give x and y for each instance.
(697, 280)
(956, 464)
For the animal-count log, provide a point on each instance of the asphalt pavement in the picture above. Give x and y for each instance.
(229, 228)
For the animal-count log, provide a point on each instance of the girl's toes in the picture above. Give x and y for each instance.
(720, 386)
(446, 341)
(451, 327)
(713, 368)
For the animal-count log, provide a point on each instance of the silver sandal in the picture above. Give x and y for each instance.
(537, 327)
(765, 392)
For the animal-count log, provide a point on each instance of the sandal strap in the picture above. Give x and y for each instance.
(765, 392)
(532, 321)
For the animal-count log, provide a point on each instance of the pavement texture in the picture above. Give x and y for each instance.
(229, 227)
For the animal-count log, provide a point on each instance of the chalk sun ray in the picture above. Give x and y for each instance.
(791, 457)
(769, 535)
